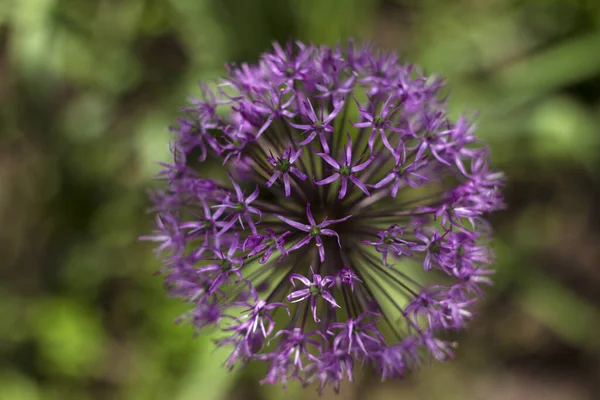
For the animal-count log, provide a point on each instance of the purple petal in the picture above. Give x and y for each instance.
(386, 142)
(329, 298)
(286, 184)
(317, 278)
(360, 185)
(205, 208)
(321, 249)
(265, 126)
(313, 307)
(329, 160)
(266, 256)
(343, 188)
(323, 140)
(298, 295)
(238, 190)
(308, 139)
(256, 211)
(421, 150)
(300, 126)
(333, 221)
(328, 180)
(312, 115)
(385, 180)
(395, 188)
(301, 243)
(328, 281)
(364, 165)
(298, 174)
(365, 114)
(295, 156)
(253, 196)
(301, 278)
(330, 232)
(349, 150)
(234, 245)
(362, 124)
(227, 226)
(311, 220)
(438, 157)
(271, 181)
(297, 225)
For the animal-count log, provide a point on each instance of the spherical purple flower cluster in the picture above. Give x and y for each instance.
(344, 189)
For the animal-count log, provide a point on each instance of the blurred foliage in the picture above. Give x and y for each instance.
(87, 90)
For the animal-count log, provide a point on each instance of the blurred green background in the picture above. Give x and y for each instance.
(87, 90)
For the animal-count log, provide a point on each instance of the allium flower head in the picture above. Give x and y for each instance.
(324, 213)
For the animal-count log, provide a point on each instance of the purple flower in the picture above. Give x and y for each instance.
(405, 173)
(317, 124)
(256, 318)
(331, 85)
(223, 266)
(168, 234)
(314, 231)
(245, 347)
(356, 337)
(346, 171)
(206, 226)
(287, 65)
(241, 208)
(331, 368)
(347, 277)
(432, 137)
(392, 240)
(283, 167)
(295, 348)
(314, 290)
(205, 315)
(191, 136)
(266, 245)
(390, 362)
(206, 108)
(441, 350)
(389, 173)
(275, 105)
(382, 123)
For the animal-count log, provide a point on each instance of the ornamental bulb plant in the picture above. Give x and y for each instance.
(324, 214)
